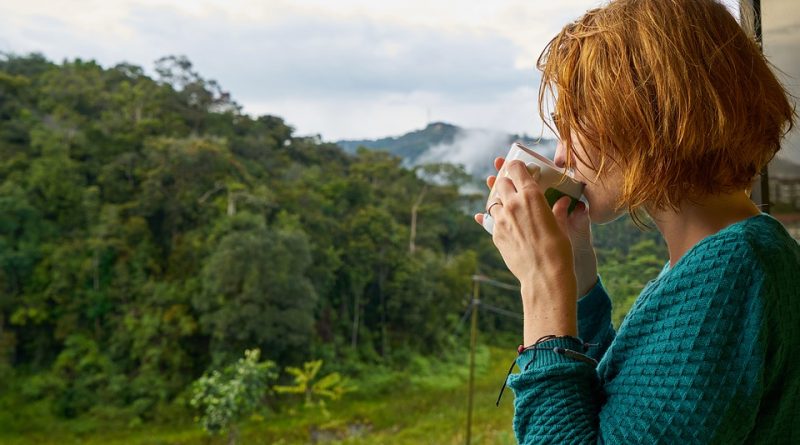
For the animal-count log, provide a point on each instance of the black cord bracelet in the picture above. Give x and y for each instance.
(558, 350)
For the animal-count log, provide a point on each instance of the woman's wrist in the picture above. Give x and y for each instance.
(585, 273)
(548, 308)
(548, 322)
(536, 290)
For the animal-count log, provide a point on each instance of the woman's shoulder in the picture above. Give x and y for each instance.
(776, 255)
(732, 275)
(762, 244)
(759, 243)
(769, 241)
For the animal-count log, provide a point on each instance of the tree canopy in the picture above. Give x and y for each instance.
(150, 230)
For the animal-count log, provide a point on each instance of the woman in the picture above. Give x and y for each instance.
(666, 107)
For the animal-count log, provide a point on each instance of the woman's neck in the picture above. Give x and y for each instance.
(694, 221)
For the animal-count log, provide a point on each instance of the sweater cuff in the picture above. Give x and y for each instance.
(538, 358)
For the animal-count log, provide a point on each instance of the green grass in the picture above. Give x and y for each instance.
(428, 406)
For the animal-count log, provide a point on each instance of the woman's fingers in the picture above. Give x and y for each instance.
(505, 187)
(498, 162)
(576, 224)
(560, 211)
(521, 176)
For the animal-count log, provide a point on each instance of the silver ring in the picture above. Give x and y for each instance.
(492, 205)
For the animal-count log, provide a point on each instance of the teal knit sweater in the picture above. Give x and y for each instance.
(707, 354)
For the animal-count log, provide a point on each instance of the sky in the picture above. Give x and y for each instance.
(343, 69)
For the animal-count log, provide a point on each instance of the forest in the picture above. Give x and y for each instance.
(151, 232)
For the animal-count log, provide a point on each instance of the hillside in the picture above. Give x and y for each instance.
(410, 145)
(442, 142)
(150, 231)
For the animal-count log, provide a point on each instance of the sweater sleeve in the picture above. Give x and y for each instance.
(685, 368)
(594, 320)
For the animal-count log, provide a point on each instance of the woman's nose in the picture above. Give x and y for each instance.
(560, 157)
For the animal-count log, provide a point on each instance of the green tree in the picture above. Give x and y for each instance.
(224, 398)
(625, 276)
(82, 374)
(255, 292)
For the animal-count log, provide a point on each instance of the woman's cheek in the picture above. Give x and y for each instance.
(597, 206)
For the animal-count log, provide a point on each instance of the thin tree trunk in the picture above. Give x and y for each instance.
(231, 204)
(384, 340)
(96, 269)
(356, 311)
(233, 435)
(414, 209)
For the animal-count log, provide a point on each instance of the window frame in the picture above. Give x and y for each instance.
(759, 192)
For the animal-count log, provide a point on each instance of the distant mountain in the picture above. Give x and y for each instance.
(475, 149)
(410, 145)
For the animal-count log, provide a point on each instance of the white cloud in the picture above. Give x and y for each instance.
(393, 114)
(468, 148)
(350, 68)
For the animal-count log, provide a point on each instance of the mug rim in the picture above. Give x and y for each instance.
(538, 156)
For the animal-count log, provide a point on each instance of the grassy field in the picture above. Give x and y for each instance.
(428, 407)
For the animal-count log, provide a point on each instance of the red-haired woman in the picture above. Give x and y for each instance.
(666, 107)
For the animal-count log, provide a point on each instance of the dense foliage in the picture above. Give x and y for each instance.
(150, 231)
(228, 396)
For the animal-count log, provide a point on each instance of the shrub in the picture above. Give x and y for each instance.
(227, 397)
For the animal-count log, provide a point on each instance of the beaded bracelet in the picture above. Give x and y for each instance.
(558, 350)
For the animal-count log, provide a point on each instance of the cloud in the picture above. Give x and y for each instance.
(475, 149)
(345, 69)
(305, 55)
(350, 72)
(469, 148)
(392, 114)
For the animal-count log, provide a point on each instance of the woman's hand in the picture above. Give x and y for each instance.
(579, 230)
(580, 235)
(534, 243)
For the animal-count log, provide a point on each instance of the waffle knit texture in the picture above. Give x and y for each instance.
(708, 353)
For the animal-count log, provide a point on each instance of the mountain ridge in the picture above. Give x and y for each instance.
(475, 149)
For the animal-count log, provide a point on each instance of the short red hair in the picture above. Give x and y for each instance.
(673, 92)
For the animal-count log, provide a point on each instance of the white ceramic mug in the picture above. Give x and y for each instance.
(547, 175)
